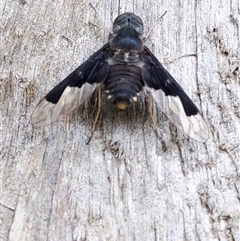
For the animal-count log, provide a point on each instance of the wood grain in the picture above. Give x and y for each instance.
(127, 184)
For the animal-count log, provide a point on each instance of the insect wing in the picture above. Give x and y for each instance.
(171, 98)
(73, 90)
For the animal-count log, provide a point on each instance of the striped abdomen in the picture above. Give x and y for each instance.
(123, 84)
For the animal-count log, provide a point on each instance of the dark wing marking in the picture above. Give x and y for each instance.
(171, 98)
(73, 90)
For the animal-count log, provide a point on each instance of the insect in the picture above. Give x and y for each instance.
(123, 67)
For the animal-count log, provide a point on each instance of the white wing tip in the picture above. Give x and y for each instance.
(41, 115)
(198, 129)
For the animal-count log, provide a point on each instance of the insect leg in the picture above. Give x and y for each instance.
(100, 23)
(150, 112)
(153, 25)
(99, 108)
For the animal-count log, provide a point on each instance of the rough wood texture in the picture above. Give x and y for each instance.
(127, 184)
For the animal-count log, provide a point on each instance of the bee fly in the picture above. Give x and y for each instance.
(124, 67)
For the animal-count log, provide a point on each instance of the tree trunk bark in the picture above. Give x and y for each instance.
(127, 184)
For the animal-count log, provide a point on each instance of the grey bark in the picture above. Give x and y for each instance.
(127, 184)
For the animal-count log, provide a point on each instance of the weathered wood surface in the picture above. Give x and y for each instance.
(127, 184)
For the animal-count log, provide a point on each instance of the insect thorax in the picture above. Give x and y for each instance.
(126, 46)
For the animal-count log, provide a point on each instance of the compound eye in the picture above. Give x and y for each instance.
(128, 20)
(136, 19)
(119, 19)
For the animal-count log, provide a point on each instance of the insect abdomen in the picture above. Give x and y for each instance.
(123, 83)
